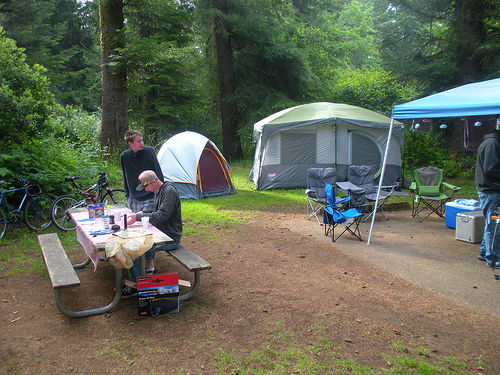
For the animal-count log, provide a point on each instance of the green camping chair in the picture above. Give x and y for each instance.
(428, 192)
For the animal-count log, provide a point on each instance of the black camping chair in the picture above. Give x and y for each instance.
(363, 177)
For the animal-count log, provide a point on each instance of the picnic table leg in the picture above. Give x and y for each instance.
(189, 294)
(101, 310)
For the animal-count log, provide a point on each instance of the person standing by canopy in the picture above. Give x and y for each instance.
(487, 180)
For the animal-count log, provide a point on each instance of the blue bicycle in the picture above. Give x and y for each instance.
(34, 209)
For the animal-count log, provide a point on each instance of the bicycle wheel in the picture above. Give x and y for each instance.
(59, 212)
(3, 223)
(117, 196)
(36, 212)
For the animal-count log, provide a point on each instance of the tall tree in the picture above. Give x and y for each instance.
(258, 63)
(222, 31)
(61, 36)
(440, 44)
(162, 82)
(114, 75)
(469, 33)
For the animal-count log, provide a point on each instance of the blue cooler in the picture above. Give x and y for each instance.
(457, 206)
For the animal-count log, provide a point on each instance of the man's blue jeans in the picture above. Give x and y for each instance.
(489, 204)
(150, 254)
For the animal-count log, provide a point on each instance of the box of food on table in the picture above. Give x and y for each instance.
(158, 294)
(95, 210)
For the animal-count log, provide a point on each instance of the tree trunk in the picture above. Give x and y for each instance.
(231, 144)
(114, 77)
(469, 35)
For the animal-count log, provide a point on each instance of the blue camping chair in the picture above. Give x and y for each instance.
(335, 215)
(315, 191)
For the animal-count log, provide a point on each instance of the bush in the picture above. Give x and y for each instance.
(425, 149)
(25, 100)
(69, 147)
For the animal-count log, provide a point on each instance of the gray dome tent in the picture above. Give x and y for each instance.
(318, 135)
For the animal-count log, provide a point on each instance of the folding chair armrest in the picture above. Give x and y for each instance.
(342, 201)
(349, 186)
(452, 187)
(413, 186)
(388, 188)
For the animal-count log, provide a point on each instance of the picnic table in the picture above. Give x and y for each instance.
(62, 272)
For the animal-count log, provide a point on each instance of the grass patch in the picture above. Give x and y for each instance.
(283, 353)
(200, 215)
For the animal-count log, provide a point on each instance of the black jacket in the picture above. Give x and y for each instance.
(488, 164)
(133, 164)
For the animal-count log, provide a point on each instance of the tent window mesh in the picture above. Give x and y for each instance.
(364, 151)
(298, 148)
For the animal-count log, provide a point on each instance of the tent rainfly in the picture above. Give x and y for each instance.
(196, 166)
(473, 99)
(322, 135)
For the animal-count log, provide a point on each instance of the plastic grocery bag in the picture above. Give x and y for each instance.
(123, 247)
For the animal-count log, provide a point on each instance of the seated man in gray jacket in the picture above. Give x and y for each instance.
(165, 215)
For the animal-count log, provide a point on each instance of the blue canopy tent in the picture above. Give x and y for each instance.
(473, 99)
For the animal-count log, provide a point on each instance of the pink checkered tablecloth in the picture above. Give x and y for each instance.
(93, 244)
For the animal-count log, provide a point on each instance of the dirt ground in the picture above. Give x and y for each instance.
(277, 285)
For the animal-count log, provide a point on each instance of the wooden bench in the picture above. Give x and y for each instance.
(62, 275)
(193, 263)
(61, 272)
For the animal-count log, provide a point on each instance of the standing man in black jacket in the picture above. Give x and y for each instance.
(133, 162)
(488, 188)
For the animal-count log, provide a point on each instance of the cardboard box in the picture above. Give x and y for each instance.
(470, 226)
(158, 294)
(453, 208)
(95, 210)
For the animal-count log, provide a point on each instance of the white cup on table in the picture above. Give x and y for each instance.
(145, 222)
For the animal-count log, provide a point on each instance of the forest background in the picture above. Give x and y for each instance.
(74, 75)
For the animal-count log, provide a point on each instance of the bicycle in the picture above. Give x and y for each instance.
(34, 209)
(99, 192)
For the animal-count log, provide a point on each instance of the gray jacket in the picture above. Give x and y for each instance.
(166, 214)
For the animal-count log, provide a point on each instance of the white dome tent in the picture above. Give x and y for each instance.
(196, 166)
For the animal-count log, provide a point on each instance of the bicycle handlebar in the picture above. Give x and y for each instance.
(73, 178)
(25, 181)
(102, 182)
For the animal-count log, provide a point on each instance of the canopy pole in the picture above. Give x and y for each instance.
(381, 179)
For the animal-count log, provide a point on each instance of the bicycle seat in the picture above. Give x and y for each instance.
(103, 182)
(72, 178)
(33, 190)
